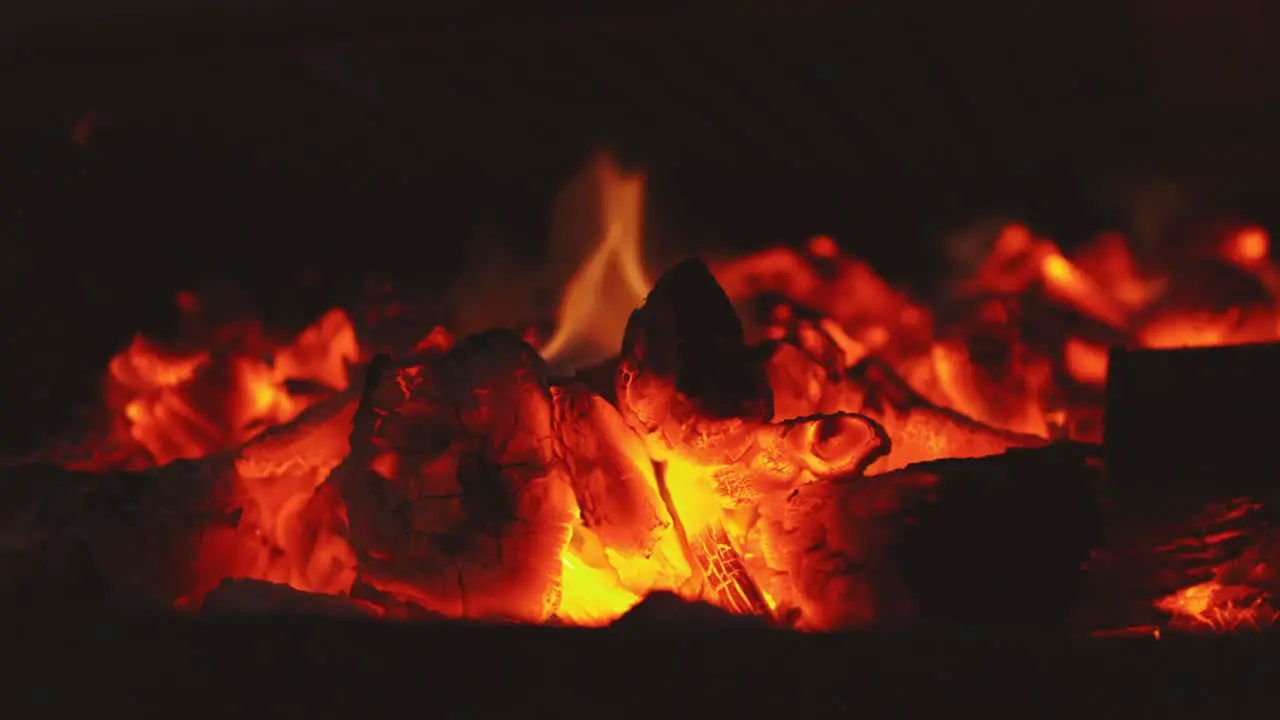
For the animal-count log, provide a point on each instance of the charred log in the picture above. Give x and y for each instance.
(690, 386)
(257, 597)
(1211, 404)
(665, 609)
(687, 338)
(1003, 539)
(600, 379)
(454, 493)
(1192, 490)
(997, 539)
(701, 398)
(128, 537)
(924, 430)
(920, 430)
(610, 470)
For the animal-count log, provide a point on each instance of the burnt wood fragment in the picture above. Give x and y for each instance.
(667, 609)
(600, 378)
(120, 537)
(687, 336)
(1198, 420)
(998, 539)
(455, 495)
(1003, 539)
(258, 597)
(610, 471)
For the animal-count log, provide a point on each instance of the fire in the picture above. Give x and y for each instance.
(170, 405)
(1213, 606)
(663, 487)
(612, 280)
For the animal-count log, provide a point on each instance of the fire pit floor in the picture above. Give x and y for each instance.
(314, 668)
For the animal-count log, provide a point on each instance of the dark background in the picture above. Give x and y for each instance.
(328, 667)
(263, 144)
(250, 141)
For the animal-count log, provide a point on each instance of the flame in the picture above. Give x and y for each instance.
(941, 388)
(1220, 608)
(1249, 247)
(169, 405)
(600, 295)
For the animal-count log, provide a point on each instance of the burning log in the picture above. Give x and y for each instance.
(924, 430)
(454, 495)
(611, 473)
(688, 383)
(686, 368)
(277, 476)
(691, 386)
(997, 539)
(921, 430)
(465, 481)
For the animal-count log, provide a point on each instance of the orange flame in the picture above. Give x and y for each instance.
(1216, 607)
(601, 294)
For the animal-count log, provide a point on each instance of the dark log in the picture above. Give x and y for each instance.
(130, 537)
(601, 379)
(1194, 480)
(998, 540)
(1198, 421)
(258, 597)
(687, 337)
(691, 387)
(665, 609)
(1003, 538)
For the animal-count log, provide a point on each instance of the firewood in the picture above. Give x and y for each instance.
(920, 430)
(997, 539)
(685, 364)
(699, 396)
(610, 470)
(665, 609)
(924, 430)
(690, 385)
(687, 383)
(1192, 420)
(130, 537)
(599, 379)
(1192, 491)
(257, 597)
(454, 495)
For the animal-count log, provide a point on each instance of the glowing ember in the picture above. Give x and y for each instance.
(1217, 607)
(476, 486)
